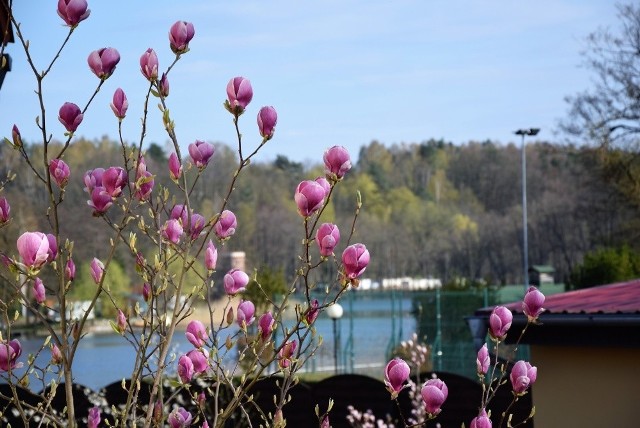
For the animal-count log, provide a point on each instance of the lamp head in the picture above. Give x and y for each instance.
(528, 131)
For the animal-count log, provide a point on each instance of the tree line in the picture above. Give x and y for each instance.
(431, 209)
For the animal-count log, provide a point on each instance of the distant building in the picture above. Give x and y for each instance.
(408, 283)
(541, 274)
(586, 348)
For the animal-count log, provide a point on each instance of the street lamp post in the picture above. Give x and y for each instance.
(335, 312)
(525, 244)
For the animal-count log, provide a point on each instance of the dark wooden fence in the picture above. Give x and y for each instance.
(362, 392)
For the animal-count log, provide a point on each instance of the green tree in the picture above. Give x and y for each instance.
(268, 283)
(606, 266)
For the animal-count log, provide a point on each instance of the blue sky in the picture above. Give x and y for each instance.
(337, 72)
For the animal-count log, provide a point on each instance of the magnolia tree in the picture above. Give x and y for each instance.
(125, 200)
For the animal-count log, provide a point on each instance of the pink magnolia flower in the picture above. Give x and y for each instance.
(120, 104)
(532, 303)
(522, 376)
(235, 281)
(434, 393)
(180, 34)
(121, 322)
(60, 172)
(73, 12)
(93, 179)
(144, 181)
(239, 95)
(93, 420)
(483, 360)
(39, 292)
(56, 355)
(33, 248)
(211, 256)
(9, 353)
(97, 270)
(175, 168)
(267, 119)
(312, 312)
(163, 85)
(70, 116)
(70, 270)
(355, 259)
(327, 237)
(226, 225)
(179, 212)
(481, 421)
(149, 64)
(16, 137)
(146, 291)
(286, 354)
(266, 324)
(5, 210)
(197, 224)
(499, 322)
(395, 374)
(144, 185)
(100, 201)
(172, 231)
(113, 180)
(245, 313)
(180, 418)
(201, 153)
(53, 247)
(309, 197)
(103, 62)
(196, 333)
(200, 360)
(337, 162)
(185, 369)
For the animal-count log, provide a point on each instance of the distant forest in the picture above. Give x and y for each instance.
(430, 209)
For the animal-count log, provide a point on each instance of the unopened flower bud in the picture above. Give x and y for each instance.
(16, 137)
(5, 210)
(97, 270)
(70, 116)
(149, 64)
(500, 322)
(120, 104)
(175, 168)
(38, 291)
(267, 119)
(211, 256)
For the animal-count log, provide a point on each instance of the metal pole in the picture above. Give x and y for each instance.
(335, 345)
(525, 243)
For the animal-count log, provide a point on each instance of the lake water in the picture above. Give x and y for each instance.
(367, 330)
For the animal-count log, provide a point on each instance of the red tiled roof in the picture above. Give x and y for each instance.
(620, 298)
